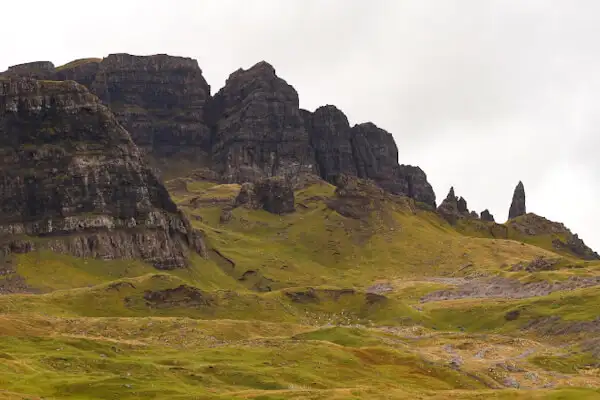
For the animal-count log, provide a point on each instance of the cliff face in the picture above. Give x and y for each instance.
(331, 138)
(258, 128)
(159, 99)
(71, 177)
(36, 70)
(365, 151)
(251, 129)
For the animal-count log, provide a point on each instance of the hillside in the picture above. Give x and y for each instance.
(312, 304)
(252, 277)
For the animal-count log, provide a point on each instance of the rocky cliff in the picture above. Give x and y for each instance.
(72, 180)
(159, 99)
(251, 129)
(365, 151)
(258, 128)
(454, 208)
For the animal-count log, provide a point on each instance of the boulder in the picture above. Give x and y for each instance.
(274, 195)
(487, 216)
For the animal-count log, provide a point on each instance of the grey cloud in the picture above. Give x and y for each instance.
(479, 93)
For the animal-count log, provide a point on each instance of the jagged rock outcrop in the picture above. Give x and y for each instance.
(258, 128)
(562, 238)
(71, 176)
(454, 208)
(356, 198)
(517, 207)
(461, 205)
(251, 129)
(572, 243)
(275, 195)
(365, 151)
(159, 99)
(448, 208)
(487, 216)
(331, 139)
(36, 70)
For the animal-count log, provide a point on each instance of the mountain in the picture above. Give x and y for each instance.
(279, 253)
(252, 128)
(71, 180)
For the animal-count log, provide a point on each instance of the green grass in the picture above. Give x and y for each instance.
(489, 314)
(566, 364)
(281, 310)
(77, 63)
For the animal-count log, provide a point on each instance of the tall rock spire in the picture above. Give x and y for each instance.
(517, 207)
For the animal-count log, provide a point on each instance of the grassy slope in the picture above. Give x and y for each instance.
(92, 334)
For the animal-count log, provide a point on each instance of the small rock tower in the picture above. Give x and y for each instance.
(517, 208)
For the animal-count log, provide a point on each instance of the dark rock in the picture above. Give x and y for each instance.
(365, 151)
(35, 70)
(82, 71)
(376, 157)
(462, 206)
(417, 185)
(71, 175)
(356, 198)
(564, 240)
(517, 207)
(454, 208)
(225, 216)
(251, 129)
(575, 245)
(303, 296)
(448, 209)
(331, 139)
(274, 195)
(159, 99)
(374, 298)
(536, 265)
(259, 130)
(181, 296)
(487, 216)
(512, 315)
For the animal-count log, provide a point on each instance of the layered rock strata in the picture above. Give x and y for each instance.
(72, 180)
(251, 129)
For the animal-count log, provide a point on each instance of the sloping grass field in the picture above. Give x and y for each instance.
(311, 305)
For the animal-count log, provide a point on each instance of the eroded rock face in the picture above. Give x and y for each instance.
(454, 208)
(564, 240)
(70, 174)
(251, 129)
(355, 197)
(159, 99)
(487, 216)
(274, 195)
(258, 128)
(365, 151)
(517, 207)
(331, 138)
(36, 70)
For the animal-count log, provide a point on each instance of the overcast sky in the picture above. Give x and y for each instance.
(478, 93)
